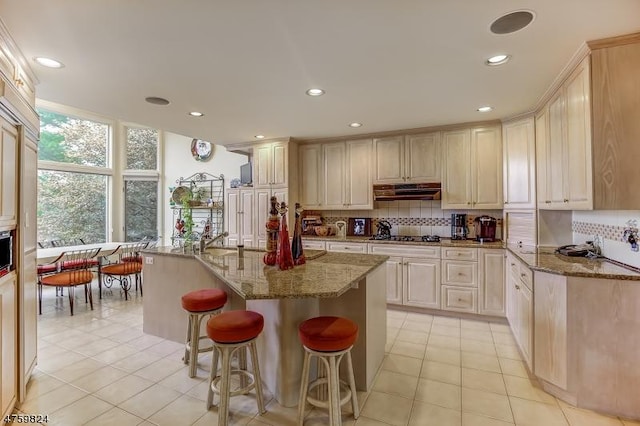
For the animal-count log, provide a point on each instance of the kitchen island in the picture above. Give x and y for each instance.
(348, 285)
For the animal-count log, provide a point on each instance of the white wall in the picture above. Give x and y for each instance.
(178, 162)
(610, 225)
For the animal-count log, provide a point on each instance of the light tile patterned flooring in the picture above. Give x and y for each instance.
(99, 368)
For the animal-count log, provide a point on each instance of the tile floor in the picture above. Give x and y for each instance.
(99, 368)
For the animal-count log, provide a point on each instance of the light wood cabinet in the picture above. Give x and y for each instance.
(313, 245)
(518, 147)
(8, 343)
(345, 247)
(459, 299)
(240, 217)
(472, 176)
(394, 280)
(460, 279)
(271, 165)
(564, 146)
(520, 306)
(407, 159)
(421, 282)
(262, 203)
(491, 286)
(347, 175)
(311, 177)
(9, 173)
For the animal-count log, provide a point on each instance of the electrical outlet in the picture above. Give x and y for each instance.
(148, 260)
(598, 244)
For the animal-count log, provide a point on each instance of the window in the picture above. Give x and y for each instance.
(141, 184)
(72, 206)
(73, 178)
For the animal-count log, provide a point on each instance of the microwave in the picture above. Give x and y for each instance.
(6, 251)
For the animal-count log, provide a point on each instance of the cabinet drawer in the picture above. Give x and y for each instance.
(460, 273)
(459, 299)
(526, 276)
(427, 252)
(313, 245)
(459, 253)
(347, 247)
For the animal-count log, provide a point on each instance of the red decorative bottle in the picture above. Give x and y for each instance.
(284, 259)
(273, 223)
(296, 243)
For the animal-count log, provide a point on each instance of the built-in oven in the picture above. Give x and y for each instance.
(6, 252)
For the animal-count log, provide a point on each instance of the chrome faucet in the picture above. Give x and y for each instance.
(205, 244)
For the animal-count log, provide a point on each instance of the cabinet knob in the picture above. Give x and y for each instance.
(517, 287)
(459, 299)
(506, 202)
(548, 202)
(565, 201)
(468, 203)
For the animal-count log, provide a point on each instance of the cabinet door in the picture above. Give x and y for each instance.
(310, 172)
(486, 165)
(421, 283)
(422, 158)
(556, 153)
(525, 316)
(578, 175)
(262, 165)
(279, 165)
(456, 187)
(8, 344)
(511, 278)
(358, 185)
(232, 216)
(542, 158)
(491, 287)
(247, 219)
(333, 159)
(519, 163)
(261, 213)
(459, 299)
(8, 171)
(460, 273)
(394, 280)
(389, 159)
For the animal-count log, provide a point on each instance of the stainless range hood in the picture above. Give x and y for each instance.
(407, 191)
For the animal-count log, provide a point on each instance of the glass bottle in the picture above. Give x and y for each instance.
(296, 243)
(272, 225)
(284, 259)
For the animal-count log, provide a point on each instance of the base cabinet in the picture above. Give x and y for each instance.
(491, 285)
(520, 306)
(421, 283)
(8, 343)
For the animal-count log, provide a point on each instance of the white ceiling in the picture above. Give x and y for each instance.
(247, 63)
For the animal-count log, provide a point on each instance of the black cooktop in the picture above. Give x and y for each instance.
(425, 238)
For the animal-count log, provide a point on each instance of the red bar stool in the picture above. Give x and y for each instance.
(199, 304)
(230, 331)
(329, 339)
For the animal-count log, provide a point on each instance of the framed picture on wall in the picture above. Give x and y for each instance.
(359, 227)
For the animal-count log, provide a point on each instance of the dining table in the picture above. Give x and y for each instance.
(49, 254)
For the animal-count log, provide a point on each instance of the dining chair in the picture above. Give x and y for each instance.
(129, 263)
(73, 268)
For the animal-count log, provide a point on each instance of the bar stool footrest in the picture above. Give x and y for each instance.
(323, 403)
(241, 391)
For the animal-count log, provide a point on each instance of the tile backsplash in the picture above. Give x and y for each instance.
(610, 225)
(413, 217)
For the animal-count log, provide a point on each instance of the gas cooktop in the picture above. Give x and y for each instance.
(425, 238)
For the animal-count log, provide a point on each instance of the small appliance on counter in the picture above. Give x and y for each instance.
(309, 224)
(341, 229)
(485, 228)
(384, 231)
(459, 229)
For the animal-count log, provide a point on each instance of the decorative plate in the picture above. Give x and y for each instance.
(201, 150)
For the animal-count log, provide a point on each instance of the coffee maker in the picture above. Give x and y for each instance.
(459, 226)
(485, 228)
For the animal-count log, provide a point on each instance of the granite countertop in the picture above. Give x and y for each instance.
(324, 275)
(444, 242)
(545, 260)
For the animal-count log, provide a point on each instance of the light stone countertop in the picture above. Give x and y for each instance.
(545, 260)
(444, 242)
(324, 275)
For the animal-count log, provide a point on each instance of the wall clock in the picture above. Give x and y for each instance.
(201, 150)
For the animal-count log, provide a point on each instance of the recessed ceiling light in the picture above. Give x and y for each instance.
(498, 60)
(259, 136)
(196, 114)
(156, 100)
(485, 109)
(48, 62)
(315, 92)
(354, 125)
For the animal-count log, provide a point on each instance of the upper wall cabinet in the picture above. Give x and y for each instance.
(564, 146)
(346, 169)
(472, 173)
(405, 159)
(271, 165)
(587, 134)
(311, 177)
(9, 173)
(518, 147)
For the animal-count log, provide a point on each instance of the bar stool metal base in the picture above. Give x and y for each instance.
(331, 362)
(193, 339)
(221, 384)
